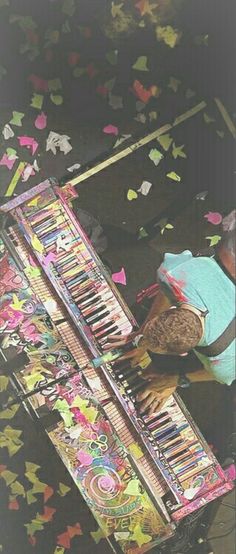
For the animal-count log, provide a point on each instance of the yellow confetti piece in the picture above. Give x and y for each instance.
(116, 9)
(168, 226)
(17, 489)
(141, 64)
(9, 413)
(139, 537)
(30, 498)
(174, 176)
(63, 489)
(17, 303)
(214, 239)
(54, 84)
(37, 245)
(165, 141)
(169, 35)
(37, 101)
(136, 451)
(98, 535)
(15, 179)
(57, 99)
(177, 151)
(132, 194)
(8, 476)
(59, 550)
(207, 118)
(227, 119)
(145, 361)
(133, 488)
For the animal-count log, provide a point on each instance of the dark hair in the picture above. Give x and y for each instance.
(176, 331)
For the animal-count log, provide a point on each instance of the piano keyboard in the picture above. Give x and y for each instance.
(174, 460)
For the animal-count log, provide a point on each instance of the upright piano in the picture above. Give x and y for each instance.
(139, 475)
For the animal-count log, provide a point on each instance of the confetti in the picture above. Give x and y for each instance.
(41, 121)
(29, 142)
(73, 167)
(174, 84)
(189, 93)
(15, 179)
(136, 451)
(214, 239)
(38, 83)
(174, 176)
(26, 174)
(63, 489)
(57, 99)
(177, 151)
(143, 94)
(139, 537)
(7, 132)
(133, 488)
(112, 57)
(145, 188)
(116, 102)
(141, 64)
(167, 226)
(145, 8)
(155, 156)
(214, 217)
(132, 194)
(208, 119)
(121, 139)
(55, 141)
(3, 382)
(169, 35)
(17, 119)
(201, 195)
(116, 9)
(8, 162)
(37, 101)
(110, 130)
(141, 118)
(37, 245)
(119, 277)
(165, 141)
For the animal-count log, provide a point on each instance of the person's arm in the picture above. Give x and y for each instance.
(200, 375)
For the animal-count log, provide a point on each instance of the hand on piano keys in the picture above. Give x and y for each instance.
(119, 341)
(155, 394)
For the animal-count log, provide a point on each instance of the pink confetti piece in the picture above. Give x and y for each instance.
(41, 121)
(231, 472)
(8, 161)
(111, 130)
(26, 174)
(38, 83)
(119, 277)
(29, 142)
(213, 217)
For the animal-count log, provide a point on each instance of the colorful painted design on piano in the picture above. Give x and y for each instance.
(174, 449)
(84, 438)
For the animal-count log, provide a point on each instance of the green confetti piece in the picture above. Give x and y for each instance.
(174, 176)
(141, 64)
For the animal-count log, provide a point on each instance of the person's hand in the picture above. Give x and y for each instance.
(117, 341)
(158, 389)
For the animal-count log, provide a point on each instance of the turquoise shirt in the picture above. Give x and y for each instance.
(201, 283)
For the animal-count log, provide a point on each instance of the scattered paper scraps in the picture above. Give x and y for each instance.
(132, 195)
(143, 94)
(177, 151)
(165, 141)
(141, 64)
(63, 489)
(98, 535)
(16, 177)
(36, 244)
(29, 142)
(10, 438)
(207, 118)
(7, 132)
(110, 130)
(48, 492)
(189, 93)
(142, 233)
(139, 537)
(169, 35)
(201, 195)
(56, 99)
(64, 539)
(32, 272)
(8, 161)
(37, 524)
(38, 83)
(116, 9)
(17, 118)
(174, 176)
(115, 101)
(213, 239)
(152, 116)
(141, 118)
(226, 117)
(78, 71)
(145, 188)
(11, 152)
(26, 174)
(13, 504)
(8, 476)
(155, 156)
(55, 140)
(145, 8)
(59, 550)
(174, 84)
(133, 488)
(37, 101)
(9, 413)
(121, 139)
(220, 134)
(167, 226)
(214, 217)
(73, 58)
(119, 277)
(112, 57)
(73, 167)
(41, 121)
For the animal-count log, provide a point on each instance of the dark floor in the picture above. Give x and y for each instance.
(208, 70)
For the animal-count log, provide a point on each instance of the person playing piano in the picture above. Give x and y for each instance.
(193, 310)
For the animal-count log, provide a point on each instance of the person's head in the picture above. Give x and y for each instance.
(174, 331)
